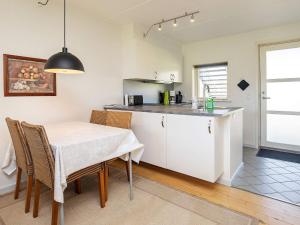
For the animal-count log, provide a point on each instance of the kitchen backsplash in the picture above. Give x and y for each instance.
(149, 91)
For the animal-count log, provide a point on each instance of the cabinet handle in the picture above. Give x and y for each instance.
(172, 77)
(209, 127)
(162, 121)
(155, 76)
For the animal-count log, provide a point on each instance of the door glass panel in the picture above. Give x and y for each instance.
(283, 63)
(284, 96)
(283, 129)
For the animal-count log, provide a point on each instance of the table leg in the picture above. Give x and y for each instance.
(61, 212)
(130, 177)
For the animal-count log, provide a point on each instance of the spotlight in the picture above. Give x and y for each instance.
(159, 27)
(192, 20)
(175, 23)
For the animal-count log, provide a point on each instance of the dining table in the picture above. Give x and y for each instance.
(77, 145)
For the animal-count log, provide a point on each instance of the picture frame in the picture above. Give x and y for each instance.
(25, 76)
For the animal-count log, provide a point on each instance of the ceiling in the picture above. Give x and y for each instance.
(216, 17)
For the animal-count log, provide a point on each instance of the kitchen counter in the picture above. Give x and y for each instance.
(182, 109)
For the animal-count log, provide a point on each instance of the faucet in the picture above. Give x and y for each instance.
(205, 87)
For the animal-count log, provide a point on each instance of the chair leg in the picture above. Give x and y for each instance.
(127, 169)
(54, 219)
(78, 186)
(106, 181)
(28, 193)
(18, 181)
(37, 188)
(101, 187)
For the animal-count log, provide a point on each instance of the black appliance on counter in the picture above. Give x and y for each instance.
(161, 97)
(135, 100)
(178, 97)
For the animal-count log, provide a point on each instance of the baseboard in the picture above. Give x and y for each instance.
(10, 188)
(250, 146)
(228, 182)
(223, 181)
(236, 172)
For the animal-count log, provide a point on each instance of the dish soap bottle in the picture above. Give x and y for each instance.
(210, 104)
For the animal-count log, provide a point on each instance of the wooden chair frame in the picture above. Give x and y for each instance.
(41, 152)
(23, 158)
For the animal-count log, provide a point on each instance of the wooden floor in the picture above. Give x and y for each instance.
(267, 210)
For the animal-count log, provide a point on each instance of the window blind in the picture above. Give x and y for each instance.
(215, 76)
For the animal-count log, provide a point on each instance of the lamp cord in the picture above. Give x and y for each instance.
(64, 23)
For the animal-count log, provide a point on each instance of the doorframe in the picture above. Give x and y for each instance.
(259, 135)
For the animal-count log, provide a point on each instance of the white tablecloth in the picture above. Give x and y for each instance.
(77, 145)
(9, 161)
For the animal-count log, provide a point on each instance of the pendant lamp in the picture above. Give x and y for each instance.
(64, 62)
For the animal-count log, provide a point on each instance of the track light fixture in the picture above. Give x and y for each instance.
(175, 23)
(159, 27)
(192, 20)
(159, 24)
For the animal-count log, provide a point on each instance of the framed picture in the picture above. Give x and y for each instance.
(25, 76)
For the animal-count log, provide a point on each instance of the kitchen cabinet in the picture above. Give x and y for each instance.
(170, 67)
(185, 144)
(150, 130)
(206, 147)
(191, 146)
(146, 61)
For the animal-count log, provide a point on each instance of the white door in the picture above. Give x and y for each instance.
(280, 96)
(150, 130)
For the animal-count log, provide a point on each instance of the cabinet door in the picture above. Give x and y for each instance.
(146, 60)
(140, 60)
(150, 130)
(190, 146)
(170, 66)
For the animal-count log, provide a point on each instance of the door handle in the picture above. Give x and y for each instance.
(265, 98)
(209, 127)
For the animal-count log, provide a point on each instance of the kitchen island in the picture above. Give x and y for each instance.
(204, 144)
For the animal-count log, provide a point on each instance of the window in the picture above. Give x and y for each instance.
(215, 76)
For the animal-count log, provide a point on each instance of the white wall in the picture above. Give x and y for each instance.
(29, 30)
(241, 52)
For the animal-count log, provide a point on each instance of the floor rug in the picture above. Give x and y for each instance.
(273, 154)
(153, 204)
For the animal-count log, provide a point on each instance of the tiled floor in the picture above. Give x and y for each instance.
(270, 177)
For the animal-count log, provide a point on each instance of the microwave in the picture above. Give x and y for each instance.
(135, 100)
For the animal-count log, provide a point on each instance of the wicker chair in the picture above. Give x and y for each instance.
(23, 157)
(113, 119)
(43, 161)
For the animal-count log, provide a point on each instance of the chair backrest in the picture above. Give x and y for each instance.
(41, 152)
(98, 117)
(112, 118)
(119, 119)
(23, 156)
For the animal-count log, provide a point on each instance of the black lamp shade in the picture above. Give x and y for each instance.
(64, 62)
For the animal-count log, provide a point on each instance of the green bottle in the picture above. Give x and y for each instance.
(166, 98)
(210, 104)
